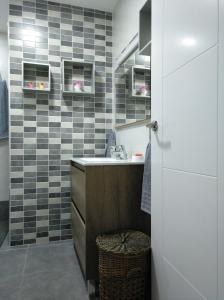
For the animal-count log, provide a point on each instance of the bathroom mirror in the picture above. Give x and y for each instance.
(133, 90)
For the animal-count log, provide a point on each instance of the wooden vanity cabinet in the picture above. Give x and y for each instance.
(105, 198)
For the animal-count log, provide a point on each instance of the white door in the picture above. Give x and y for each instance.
(188, 149)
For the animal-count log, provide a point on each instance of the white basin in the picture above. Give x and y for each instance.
(101, 161)
(98, 159)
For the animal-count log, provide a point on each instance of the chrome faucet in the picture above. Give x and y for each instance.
(118, 152)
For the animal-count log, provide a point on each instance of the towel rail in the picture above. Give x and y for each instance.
(146, 122)
(153, 125)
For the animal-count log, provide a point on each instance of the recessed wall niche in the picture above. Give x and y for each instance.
(78, 77)
(133, 89)
(36, 77)
(140, 81)
(145, 29)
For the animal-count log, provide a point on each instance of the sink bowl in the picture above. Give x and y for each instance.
(98, 159)
(102, 161)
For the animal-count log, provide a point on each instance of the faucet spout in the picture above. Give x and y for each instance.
(118, 152)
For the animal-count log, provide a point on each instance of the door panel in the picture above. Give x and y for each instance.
(187, 163)
(190, 116)
(190, 27)
(183, 289)
(190, 228)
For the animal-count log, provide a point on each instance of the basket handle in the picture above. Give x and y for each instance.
(134, 272)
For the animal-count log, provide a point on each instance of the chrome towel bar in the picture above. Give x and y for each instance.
(153, 125)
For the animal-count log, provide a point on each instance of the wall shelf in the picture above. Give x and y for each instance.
(78, 77)
(145, 29)
(140, 81)
(36, 77)
(78, 93)
(146, 50)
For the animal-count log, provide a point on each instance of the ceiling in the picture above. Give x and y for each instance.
(106, 5)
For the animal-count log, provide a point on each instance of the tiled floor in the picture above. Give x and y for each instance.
(48, 272)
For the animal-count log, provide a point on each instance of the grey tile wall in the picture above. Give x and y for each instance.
(47, 129)
(128, 108)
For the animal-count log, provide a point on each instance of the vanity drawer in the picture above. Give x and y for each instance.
(78, 190)
(79, 236)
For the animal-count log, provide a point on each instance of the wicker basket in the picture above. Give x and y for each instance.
(124, 266)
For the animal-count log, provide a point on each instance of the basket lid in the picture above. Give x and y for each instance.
(126, 242)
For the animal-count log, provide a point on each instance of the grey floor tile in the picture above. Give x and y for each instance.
(9, 289)
(51, 258)
(70, 287)
(12, 263)
(62, 249)
(53, 286)
(51, 272)
(37, 287)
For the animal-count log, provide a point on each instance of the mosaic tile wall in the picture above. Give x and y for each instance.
(47, 129)
(129, 108)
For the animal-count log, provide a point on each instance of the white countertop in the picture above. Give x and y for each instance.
(102, 161)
